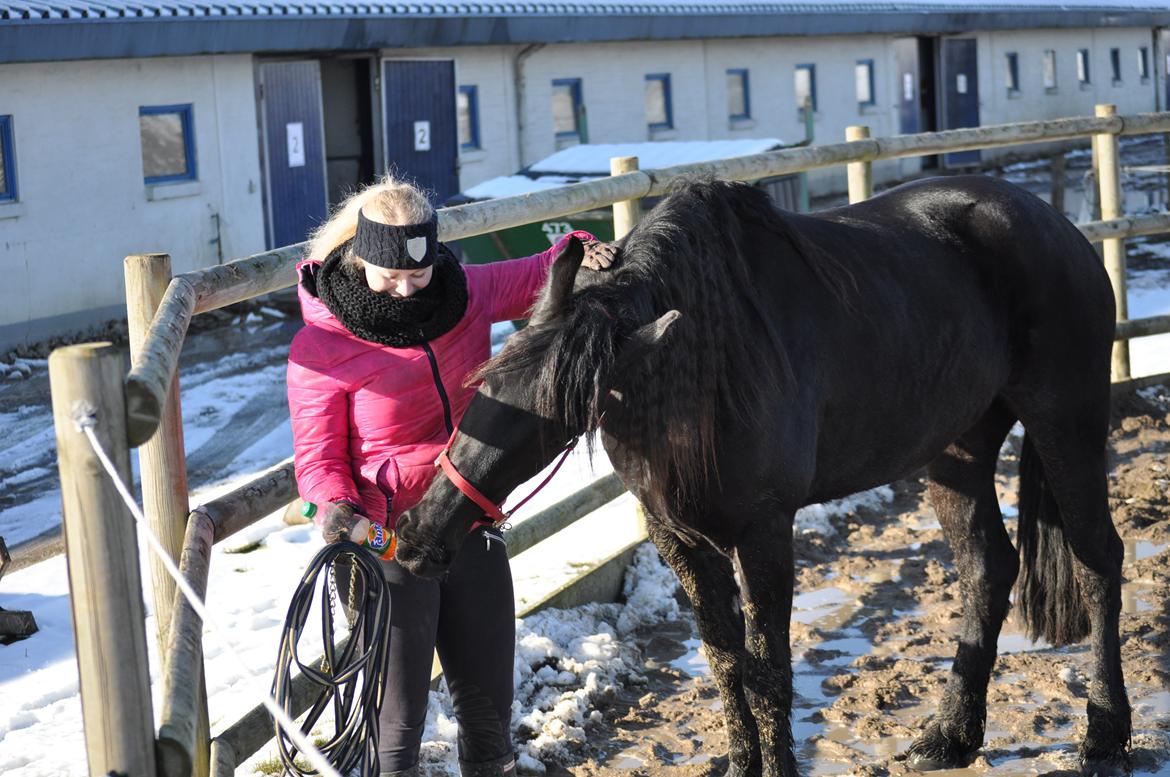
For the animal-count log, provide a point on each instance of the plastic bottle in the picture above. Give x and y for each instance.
(375, 537)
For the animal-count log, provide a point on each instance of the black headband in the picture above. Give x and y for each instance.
(407, 247)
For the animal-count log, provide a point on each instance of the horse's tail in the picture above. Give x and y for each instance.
(1048, 596)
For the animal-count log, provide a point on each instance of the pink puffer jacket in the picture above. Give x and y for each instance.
(368, 419)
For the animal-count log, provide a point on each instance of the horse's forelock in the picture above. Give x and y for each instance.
(566, 359)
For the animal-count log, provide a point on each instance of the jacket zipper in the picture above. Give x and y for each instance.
(439, 385)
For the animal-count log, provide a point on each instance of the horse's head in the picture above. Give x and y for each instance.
(546, 387)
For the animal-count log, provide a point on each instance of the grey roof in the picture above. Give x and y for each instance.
(122, 9)
(40, 30)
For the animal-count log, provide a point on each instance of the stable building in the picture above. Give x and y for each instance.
(215, 130)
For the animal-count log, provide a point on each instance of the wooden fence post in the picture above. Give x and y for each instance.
(628, 212)
(105, 582)
(162, 460)
(163, 468)
(1108, 169)
(860, 174)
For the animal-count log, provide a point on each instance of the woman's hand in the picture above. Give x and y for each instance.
(599, 255)
(337, 521)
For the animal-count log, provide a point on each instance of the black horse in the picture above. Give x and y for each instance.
(750, 361)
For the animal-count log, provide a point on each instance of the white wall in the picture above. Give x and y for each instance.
(1069, 98)
(83, 204)
(612, 88)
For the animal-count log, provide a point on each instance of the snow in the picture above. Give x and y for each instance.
(585, 161)
(514, 185)
(593, 158)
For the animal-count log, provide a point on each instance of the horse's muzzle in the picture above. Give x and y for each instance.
(421, 560)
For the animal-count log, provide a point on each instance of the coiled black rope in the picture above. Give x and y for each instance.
(353, 672)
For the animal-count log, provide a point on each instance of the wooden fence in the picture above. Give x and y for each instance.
(160, 308)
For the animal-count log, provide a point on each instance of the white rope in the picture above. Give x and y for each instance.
(86, 420)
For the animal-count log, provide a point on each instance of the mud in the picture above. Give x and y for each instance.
(874, 629)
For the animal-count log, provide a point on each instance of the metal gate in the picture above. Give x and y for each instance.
(421, 136)
(960, 93)
(294, 150)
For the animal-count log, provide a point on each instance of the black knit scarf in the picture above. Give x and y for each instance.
(398, 322)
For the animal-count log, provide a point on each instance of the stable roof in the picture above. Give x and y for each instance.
(38, 30)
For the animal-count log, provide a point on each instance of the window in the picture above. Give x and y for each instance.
(1050, 70)
(566, 107)
(804, 81)
(7, 161)
(467, 109)
(1011, 72)
(1083, 75)
(659, 114)
(1143, 63)
(863, 82)
(739, 101)
(1115, 65)
(168, 143)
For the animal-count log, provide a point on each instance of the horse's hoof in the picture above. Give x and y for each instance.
(1115, 764)
(934, 751)
(735, 770)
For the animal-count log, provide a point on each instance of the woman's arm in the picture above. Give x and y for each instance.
(319, 410)
(512, 286)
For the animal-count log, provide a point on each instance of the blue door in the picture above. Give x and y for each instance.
(294, 150)
(418, 98)
(960, 93)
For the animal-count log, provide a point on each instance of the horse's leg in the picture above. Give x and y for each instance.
(962, 491)
(763, 559)
(707, 578)
(1071, 451)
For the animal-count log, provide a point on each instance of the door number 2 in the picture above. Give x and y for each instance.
(422, 136)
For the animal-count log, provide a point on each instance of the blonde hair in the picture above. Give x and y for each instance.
(389, 201)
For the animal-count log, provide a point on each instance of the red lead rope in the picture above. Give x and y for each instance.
(491, 510)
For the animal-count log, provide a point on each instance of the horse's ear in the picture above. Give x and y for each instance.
(643, 342)
(560, 279)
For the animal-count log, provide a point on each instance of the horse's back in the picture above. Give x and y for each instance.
(960, 288)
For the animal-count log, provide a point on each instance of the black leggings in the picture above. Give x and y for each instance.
(468, 616)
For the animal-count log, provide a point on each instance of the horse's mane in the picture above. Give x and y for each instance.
(691, 254)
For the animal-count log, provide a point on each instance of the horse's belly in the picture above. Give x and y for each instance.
(888, 436)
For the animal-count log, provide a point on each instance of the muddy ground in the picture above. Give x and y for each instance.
(874, 631)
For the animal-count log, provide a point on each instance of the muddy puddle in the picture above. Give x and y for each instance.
(874, 627)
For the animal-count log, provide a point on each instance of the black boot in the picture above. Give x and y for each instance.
(504, 766)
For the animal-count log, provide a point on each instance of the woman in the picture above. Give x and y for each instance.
(393, 326)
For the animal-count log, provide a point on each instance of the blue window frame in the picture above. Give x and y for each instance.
(659, 112)
(167, 133)
(7, 161)
(863, 83)
(804, 81)
(739, 96)
(566, 107)
(467, 108)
